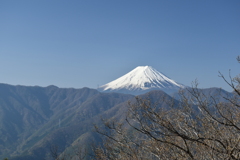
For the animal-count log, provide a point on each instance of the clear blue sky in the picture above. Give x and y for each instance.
(80, 43)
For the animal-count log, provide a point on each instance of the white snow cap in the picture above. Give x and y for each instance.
(142, 78)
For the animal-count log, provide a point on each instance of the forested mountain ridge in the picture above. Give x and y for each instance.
(33, 119)
(30, 114)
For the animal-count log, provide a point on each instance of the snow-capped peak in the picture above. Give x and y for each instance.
(140, 80)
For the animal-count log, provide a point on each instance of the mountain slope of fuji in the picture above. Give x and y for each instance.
(140, 80)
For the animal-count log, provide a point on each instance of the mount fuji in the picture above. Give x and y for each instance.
(140, 80)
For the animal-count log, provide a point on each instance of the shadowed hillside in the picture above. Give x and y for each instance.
(33, 118)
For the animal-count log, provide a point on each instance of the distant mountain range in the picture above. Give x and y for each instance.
(33, 119)
(141, 80)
